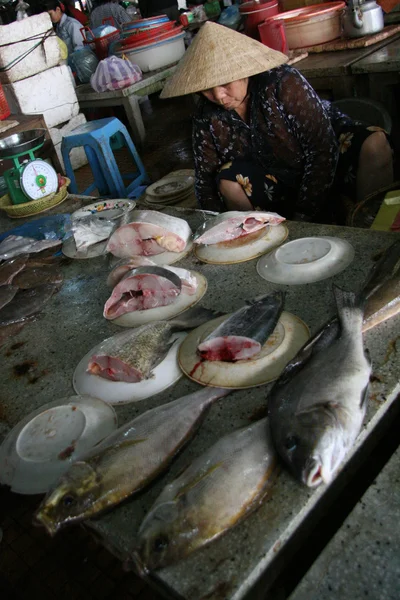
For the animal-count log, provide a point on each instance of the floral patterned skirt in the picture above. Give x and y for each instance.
(267, 191)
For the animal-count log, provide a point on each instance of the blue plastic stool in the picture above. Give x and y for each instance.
(95, 137)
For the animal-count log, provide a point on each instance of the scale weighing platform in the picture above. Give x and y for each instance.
(31, 178)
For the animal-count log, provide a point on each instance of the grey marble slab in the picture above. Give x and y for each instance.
(72, 323)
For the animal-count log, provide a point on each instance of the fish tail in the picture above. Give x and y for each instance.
(350, 307)
(194, 317)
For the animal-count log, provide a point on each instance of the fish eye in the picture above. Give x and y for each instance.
(68, 500)
(160, 543)
(291, 442)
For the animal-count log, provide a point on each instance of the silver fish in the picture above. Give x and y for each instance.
(217, 491)
(383, 288)
(125, 462)
(133, 354)
(317, 406)
(26, 303)
(7, 293)
(243, 334)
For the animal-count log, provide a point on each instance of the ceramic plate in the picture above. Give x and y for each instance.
(46, 442)
(306, 260)
(110, 209)
(170, 186)
(240, 250)
(286, 340)
(119, 392)
(163, 313)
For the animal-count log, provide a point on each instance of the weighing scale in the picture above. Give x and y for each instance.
(30, 178)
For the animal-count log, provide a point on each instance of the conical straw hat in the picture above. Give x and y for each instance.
(219, 55)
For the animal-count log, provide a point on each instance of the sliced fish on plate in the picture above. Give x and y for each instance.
(234, 224)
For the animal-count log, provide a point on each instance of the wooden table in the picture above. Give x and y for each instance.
(128, 98)
(333, 74)
(26, 122)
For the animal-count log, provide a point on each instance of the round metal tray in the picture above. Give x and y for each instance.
(20, 143)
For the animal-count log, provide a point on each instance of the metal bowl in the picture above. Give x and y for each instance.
(20, 143)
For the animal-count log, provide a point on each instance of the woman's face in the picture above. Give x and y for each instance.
(230, 95)
(55, 15)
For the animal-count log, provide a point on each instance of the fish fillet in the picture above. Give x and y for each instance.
(234, 224)
(149, 234)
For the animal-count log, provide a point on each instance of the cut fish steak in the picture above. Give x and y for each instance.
(132, 355)
(149, 234)
(234, 224)
(242, 335)
(141, 289)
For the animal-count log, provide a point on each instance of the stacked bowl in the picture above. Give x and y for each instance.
(151, 43)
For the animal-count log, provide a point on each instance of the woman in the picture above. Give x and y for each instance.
(108, 8)
(67, 28)
(262, 138)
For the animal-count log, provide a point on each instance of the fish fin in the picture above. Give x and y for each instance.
(194, 317)
(192, 484)
(350, 308)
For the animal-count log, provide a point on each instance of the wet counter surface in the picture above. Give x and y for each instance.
(38, 365)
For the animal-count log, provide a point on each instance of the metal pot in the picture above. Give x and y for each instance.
(362, 18)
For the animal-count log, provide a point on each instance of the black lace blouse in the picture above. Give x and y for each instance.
(290, 130)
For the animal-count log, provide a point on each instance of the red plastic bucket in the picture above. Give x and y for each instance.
(4, 108)
(255, 13)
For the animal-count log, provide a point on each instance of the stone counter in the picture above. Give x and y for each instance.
(72, 323)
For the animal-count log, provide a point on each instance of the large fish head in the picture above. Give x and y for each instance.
(158, 543)
(313, 444)
(71, 500)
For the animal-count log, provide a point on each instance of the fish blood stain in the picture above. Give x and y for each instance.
(24, 368)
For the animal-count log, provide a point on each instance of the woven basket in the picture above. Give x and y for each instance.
(34, 207)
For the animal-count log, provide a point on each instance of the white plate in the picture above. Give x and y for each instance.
(110, 209)
(283, 344)
(69, 249)
(119, 392)
(306, 260)
(221, 254)
(163, 313)
(46, 442)
(170, 186)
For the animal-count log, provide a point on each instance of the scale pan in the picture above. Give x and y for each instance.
(20, 143)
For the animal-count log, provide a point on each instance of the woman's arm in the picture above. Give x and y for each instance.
(206, 164)
(310, 124)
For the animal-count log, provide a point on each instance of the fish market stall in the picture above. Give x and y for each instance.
(38, 368)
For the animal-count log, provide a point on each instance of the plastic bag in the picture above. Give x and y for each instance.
(114, 73)
(230, 16)
(84, 62)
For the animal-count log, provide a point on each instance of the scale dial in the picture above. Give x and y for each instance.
(38, 179)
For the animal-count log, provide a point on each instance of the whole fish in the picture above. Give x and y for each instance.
(26, 303)
(382, 288)
(7, 293)
(132, 355)
(13, 245)
(317, 405)
(91, 229)
(11, 268)
(234, 224)
(31, 277)
(217, 491)
(149, 233)
(242, 335)
(126, 461)
(143, 288)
